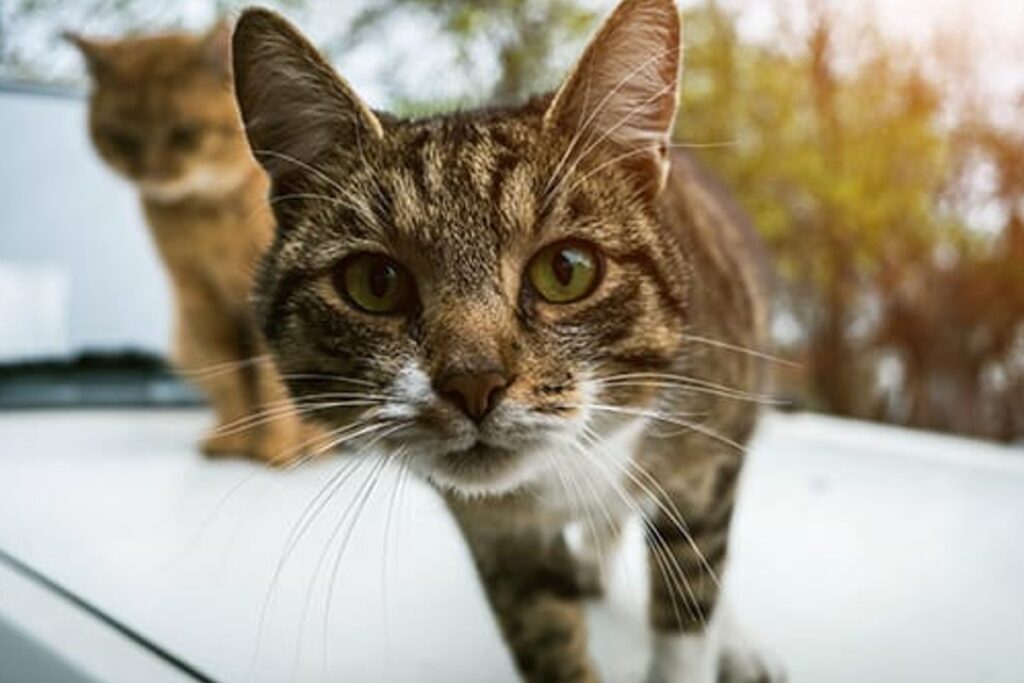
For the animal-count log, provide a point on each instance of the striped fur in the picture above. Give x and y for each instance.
(637, 398)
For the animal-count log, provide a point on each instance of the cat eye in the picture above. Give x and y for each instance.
(184, 136)
(567, 271)
(127, 144)
(374, 283)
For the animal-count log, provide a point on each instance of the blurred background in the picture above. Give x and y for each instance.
(878, 146)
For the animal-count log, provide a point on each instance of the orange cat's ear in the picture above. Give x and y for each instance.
(215, 48)
(623, 91)
(294, 106)
(96, 52)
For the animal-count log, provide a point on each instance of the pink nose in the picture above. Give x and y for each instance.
(475, 394)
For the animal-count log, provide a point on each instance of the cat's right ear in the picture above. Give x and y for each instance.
(96, 53)
(294, 105)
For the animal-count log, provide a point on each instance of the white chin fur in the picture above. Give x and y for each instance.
(517, 475)
(535, 442)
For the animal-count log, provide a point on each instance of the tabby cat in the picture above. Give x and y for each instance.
(163, 116)
(542, 310)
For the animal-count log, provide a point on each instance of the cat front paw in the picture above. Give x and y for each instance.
(284, 445)
(683, 658)
(747, 665)
(221, 443)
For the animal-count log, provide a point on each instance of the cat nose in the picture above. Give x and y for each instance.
(476, 393)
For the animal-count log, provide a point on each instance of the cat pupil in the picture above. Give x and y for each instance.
(382, 279)
(184, 136)
(563, 267)
(127, 143)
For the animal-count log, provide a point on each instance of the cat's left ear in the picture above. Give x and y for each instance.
(623, 91)
(96, 53)
(215, 48)
(295, 107)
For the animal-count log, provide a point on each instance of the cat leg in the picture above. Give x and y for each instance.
(696, 638)
(599, 541)
(208, 350)
(685, 560)
(528, 575)
(284, 437)
(740, 660)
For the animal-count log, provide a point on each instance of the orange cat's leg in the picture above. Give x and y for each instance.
(210, 354)
(286, 437)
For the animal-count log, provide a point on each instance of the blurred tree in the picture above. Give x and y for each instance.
(840, 171)
(524, 35)
(888, 188)
(33, 49)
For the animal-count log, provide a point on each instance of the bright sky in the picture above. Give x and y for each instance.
(997, 24)
(1001, 19)
(995, 28)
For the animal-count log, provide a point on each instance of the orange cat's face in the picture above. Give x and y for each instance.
(462, 289)
(162, 114)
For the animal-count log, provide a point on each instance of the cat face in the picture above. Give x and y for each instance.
(162, 114)
(461, 288)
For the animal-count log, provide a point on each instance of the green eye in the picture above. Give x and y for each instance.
(565, 272)
(374, 283)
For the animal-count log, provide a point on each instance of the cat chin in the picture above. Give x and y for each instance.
(481, 472)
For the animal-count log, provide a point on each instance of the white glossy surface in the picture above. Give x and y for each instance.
(861, 554)
(70, 644)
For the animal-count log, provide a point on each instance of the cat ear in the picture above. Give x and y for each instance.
(215, 48)
(623, 91)
(295, 107)
(96, 53)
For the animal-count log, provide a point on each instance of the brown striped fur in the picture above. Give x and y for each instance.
(463, 201)
(162, 115)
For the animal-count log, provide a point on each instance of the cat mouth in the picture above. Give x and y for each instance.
(477, 454)
(480, 469)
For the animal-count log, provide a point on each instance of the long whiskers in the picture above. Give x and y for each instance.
(671, 572)
(369, 482)
(224, 368)
(670, 419)
(735, 348)
(313, 508)
(657, 494)
(290, 409)
(683, 383)
(361, 505)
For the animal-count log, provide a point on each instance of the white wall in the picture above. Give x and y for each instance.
(64, 217)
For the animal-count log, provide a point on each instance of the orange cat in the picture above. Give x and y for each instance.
(162, 115)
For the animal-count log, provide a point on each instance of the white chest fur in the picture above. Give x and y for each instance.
(591, 480)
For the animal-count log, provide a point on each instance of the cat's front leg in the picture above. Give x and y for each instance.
(207, 349)
(529, 577)
(696, 638)
(687, 542)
